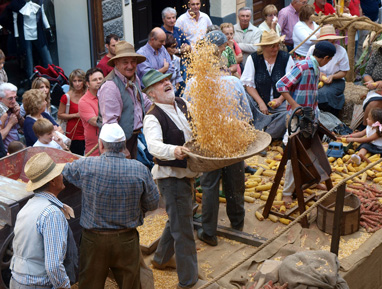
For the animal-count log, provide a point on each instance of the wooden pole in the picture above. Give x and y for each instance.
(351, 53)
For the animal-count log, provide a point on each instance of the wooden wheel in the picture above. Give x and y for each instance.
(6, 253)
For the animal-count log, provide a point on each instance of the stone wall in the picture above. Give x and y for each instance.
(112, 17)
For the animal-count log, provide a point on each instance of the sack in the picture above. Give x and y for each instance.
(63, 122)
(53, 73)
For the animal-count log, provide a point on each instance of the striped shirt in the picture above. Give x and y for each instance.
(301, 82)
(115, 191)
(53, 227)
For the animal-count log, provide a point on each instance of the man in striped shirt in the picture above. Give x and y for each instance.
(41, 241)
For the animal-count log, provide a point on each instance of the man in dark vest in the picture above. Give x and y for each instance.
(120, 97)
(166, 129)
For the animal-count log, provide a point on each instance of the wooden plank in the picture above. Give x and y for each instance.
(13, 190)
(233, 234)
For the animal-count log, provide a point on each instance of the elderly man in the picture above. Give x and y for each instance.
(13, 121)
(88, 109)
(156, 54)
(246, 35)
(166, 130)
(194, 23)
(288, 17)
(120, 97)
(110, 42)
(41, 243)
(116, 192)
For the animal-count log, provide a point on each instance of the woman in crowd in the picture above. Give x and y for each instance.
(43, 84)
(34, 101)
(229, 32)
(373, 80)
(74, 128)
(302, 30)
(271, 22)
(262, 70)
(331, 96)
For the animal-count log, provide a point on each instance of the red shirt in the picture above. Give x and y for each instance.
(103, 65)
(328, 9)
(354, 7)
(72, 132)
(88, 108)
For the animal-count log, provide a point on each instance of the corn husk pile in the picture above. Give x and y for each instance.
(152, 228)
(354, 94)
(219, 125)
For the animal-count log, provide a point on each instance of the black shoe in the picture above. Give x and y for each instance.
(212, 241)
(239, 227)
(250, 170)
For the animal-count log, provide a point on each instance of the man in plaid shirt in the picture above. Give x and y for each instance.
(116, 192)
(299, 88)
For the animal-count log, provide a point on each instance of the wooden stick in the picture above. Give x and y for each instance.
(306, 39)
(92, 150)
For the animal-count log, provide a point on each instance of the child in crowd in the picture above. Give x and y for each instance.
(372, 143)
(3, 74)
(15, 146)
(46, 135)
(176, 78)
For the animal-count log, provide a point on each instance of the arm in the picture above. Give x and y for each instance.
(110, 102)
(54, 228)
(330, 78)
(72, 173)
(16, 111)
(260, 102)
(150, 196)
(87, 113)
(367, 139)
(11, 122)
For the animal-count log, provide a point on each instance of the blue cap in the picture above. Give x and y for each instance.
(327, 48)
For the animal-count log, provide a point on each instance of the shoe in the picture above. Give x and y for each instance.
(199, 284)
(210, 240)
(355, 159)
(239, 227)
(169, 264)
(250, 170)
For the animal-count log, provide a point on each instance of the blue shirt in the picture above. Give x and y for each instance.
(115, 191)
(370, 8)
(179, 35)
(53, 227)
(154, 60)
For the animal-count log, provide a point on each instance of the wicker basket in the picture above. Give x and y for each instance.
(199, 163)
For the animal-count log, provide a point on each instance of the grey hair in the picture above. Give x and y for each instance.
(168, 10)
(148, 92)
(114, 147)
(7, 87)
(246, 8)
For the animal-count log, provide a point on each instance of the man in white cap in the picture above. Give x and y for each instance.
(116, 192)
(166, 130)
(41, 241)
(120, 97)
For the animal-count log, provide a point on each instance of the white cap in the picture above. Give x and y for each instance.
(112, 132)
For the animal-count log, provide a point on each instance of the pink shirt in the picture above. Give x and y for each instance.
(88, 108)
(288, 17)
(110, 102)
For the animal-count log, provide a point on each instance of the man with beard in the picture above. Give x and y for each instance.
(166, 129)
(88, 109)
(120, 97)
(110, 42)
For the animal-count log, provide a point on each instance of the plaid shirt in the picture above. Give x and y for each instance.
(301, 82)
(53, 227)
(115, 191)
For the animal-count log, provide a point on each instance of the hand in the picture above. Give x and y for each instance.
(328, 79)
(3, 119)
(59, 140)
(278, 102)
(179, 152)
(16, 109)
(371, 84)
(59, 129)
(166, 65)
(13, 119)
(287, 200)
(185, 48)
(263, 108)
(230, 43)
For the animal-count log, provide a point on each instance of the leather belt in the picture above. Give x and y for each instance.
(108, 232)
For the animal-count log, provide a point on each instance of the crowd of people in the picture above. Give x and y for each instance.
(141, 96)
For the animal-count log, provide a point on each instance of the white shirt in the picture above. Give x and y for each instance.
(264, 27)
(339, 62)
(248, 76)
(372, 130)
(300, 32)
(154, 138)
(52, 144)
(29, 12)
(194, 30)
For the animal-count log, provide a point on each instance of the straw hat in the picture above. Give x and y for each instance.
(125, 49)
(328, 32)
(41, 169)
(269, 38)
(153, 76)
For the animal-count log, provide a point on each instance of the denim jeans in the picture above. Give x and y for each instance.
(42, 51)
(178, 234)
(233, 188)
(15, 285)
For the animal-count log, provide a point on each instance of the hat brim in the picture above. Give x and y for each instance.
(167, 75)
(334, 37)
(140, 58)
(56, 171)
(280, 39)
